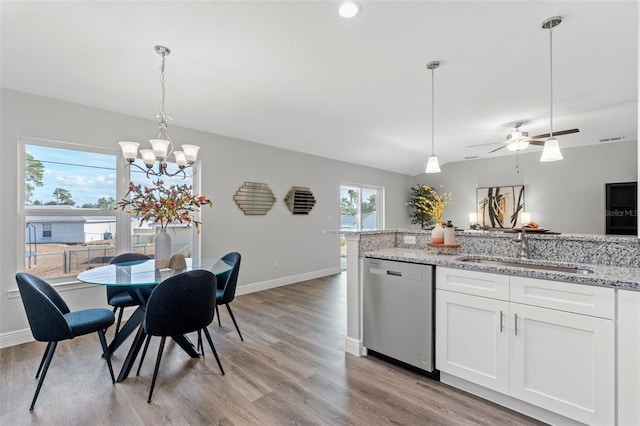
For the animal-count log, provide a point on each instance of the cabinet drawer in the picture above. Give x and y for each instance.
(569, 297)
(482, 284)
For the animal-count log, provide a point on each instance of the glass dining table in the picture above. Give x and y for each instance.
(138, 276)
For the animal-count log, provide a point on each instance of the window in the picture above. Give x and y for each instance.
(68, 207)
(68, 210)
(360, 208)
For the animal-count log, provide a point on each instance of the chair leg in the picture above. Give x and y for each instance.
(155, 371)
(218, 315)
(200, 347)
(44, 356)
(106, 353)
(51, 348)
(234, 321)
(213, 349)
(144, 352)
(119, 321)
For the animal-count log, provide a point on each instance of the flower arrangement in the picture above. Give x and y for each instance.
(163, 205)
(428, 205)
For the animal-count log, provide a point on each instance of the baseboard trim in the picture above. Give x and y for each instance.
(279, 282)
(18, 337)
(508, 401)
(354, 347)
(14, 338)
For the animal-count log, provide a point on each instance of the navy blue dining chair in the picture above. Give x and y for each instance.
(119, 296)
(181, 304)
(51, 321)
(226, 288)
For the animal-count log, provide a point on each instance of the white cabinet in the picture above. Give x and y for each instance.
(628, 358)
(547, 343)
(471, 343)
(563, 362)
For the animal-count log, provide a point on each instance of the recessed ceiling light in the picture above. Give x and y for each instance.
(349, 9)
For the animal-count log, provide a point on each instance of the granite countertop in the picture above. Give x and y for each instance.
(599, 275)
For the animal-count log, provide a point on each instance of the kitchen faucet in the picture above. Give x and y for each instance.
(524, 245)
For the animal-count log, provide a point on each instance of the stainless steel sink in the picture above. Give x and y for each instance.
(556, 268)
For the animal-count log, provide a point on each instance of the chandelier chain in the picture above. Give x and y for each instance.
(164, 92)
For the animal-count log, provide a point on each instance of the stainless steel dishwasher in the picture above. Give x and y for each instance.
(398, 318)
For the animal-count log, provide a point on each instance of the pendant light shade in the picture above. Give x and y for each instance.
(432, 163)
(551, 151)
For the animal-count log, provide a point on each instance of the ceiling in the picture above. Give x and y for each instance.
(294, 74)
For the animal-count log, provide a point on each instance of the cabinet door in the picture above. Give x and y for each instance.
(563, 362)
(472, 339)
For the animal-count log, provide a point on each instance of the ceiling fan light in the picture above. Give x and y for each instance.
(514, 136)
(517, 146)
(432, 165)
(551, 151)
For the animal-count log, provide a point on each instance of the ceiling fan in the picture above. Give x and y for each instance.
(518, 140)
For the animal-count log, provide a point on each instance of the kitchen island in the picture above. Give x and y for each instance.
(609, 262)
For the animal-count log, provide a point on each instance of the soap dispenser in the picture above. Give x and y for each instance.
(449, 234)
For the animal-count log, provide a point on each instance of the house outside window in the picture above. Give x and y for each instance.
(46, 230)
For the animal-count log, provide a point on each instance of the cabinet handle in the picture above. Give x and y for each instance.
(501, 325)
(515, 316)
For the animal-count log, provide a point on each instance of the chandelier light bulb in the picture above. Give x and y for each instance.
(129, 150)
(190, 152)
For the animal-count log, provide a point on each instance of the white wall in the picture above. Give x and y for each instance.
(296, 242)
(567, 196)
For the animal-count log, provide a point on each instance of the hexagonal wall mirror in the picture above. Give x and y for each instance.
(254, 198)
(300, 200)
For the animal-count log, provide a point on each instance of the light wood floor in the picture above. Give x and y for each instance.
(291, 369)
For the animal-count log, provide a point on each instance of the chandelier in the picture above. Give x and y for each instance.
(162, 145)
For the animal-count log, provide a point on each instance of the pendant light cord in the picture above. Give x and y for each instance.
(551, 82)
(433, 120)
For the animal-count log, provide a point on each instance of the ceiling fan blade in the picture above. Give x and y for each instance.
(497, 149)
(538, 143)
(558, 133)
(484, 144)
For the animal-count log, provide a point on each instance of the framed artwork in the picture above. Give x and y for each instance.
(499, 207)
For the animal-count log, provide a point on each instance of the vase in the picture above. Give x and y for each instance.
(162, 249)
(437, 234)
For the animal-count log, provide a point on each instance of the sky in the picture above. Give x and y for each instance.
(87, 176)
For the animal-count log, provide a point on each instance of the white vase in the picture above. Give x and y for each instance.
(162, 249)
(437, 234)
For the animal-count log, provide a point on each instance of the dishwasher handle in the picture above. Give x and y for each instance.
(394, 273)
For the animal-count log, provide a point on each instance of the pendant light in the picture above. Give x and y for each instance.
(551, 151)
(432, 162)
